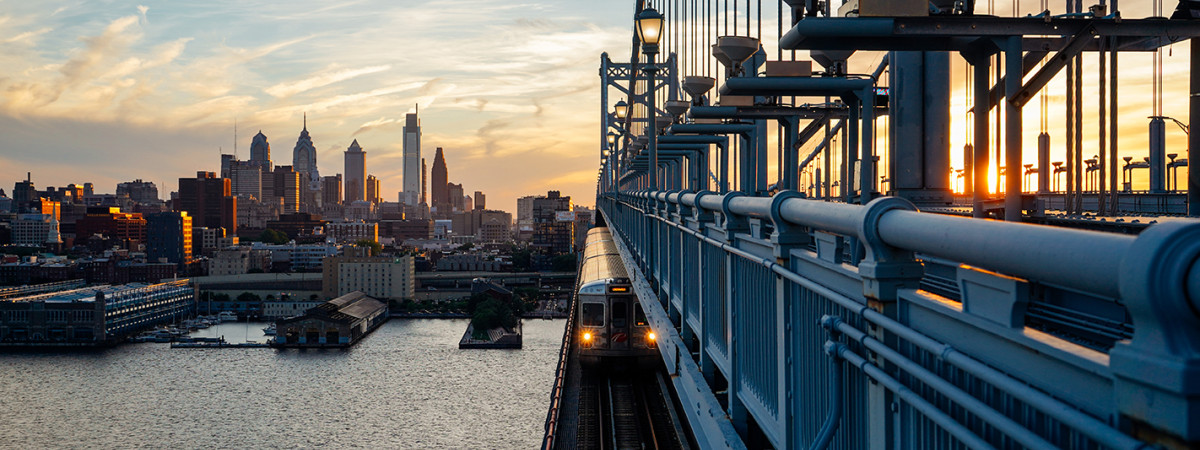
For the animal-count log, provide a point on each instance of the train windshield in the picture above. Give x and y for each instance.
(639, 316)
(592, 315)
(620, 314)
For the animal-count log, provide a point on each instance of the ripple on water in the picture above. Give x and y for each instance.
(407, 385)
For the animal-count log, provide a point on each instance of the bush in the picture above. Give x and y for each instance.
(493, 313)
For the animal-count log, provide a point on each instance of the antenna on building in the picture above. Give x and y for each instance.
(305, 120)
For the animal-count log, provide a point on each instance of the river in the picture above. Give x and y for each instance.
(407, 385)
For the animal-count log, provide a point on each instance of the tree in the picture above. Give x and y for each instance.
(273, 237)
(376, 248)
(249, 297)
(522, 260)
(493, 313)
(563, 263)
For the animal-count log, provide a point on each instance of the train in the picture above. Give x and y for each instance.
(610, 324)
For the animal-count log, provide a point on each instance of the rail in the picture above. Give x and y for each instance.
(1024, 344)
(564, 354)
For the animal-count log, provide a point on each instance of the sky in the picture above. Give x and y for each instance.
(111, 91)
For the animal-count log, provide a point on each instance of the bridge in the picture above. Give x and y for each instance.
(846, 290)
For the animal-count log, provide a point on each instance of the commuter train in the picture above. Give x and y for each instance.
(610, 323)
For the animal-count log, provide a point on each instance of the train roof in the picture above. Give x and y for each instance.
(601, 261)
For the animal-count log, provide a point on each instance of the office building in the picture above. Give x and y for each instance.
(246, 180)
(111, 223)
(438, 187)
(373, 190)
(356, 173)
(380, 277)
(169, 237)
(208, 200)
(455, 193)
(553, 223)
(351, 232)
(331, 190)
(144, 192)
(480, 201)
(286, 185)
(412, 160)
(35, 230)
(304, 162)
(23, 193)
(260, 152)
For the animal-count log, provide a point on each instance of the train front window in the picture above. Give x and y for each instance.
(619, 314)
(592, 315)
(639, 316)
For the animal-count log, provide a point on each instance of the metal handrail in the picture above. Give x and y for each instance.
(551, 427)
(841, 215)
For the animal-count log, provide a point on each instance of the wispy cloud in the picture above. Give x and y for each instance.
(288, 89)
(27, 36)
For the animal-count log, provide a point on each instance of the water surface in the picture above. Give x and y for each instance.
(407, 385)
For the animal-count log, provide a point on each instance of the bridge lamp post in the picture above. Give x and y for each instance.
(621, 109)
(649, 29)
(1058, 168)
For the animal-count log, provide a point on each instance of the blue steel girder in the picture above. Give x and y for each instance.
(959, 33)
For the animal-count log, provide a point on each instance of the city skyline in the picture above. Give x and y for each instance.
(149, 91)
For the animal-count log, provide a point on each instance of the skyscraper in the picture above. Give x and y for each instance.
(373, 189)
(246, 179)
(331, 190)
(356, 173)
(479, 201)
(260, 152)
(424, 182)
(438, 184)
(23, 193)
(208, 200)
(304, 160)
(454, 193)
(287, 185)
(412, 156)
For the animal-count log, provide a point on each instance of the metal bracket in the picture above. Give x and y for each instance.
(730, 221)
(786, 236)
(886, 269)
(1157, 373)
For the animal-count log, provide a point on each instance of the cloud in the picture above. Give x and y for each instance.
(26, 36)
(288, 89)
(99, 49)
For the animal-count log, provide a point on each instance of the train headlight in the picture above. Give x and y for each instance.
(587, 337)
(651, 336)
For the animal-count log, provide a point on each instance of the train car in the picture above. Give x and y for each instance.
(611, 324)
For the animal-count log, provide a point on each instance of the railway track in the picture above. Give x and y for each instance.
(622, 411)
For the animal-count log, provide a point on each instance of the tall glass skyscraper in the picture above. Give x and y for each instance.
(412, 160)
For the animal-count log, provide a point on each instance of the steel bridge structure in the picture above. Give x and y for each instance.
(806, 306)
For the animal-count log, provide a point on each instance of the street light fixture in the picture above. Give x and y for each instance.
(612, 138)
(621, 109)
(649, 29)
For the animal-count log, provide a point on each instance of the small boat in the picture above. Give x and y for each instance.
(227, 316)
(269, 330)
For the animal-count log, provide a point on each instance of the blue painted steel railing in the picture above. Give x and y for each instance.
(879, 326)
